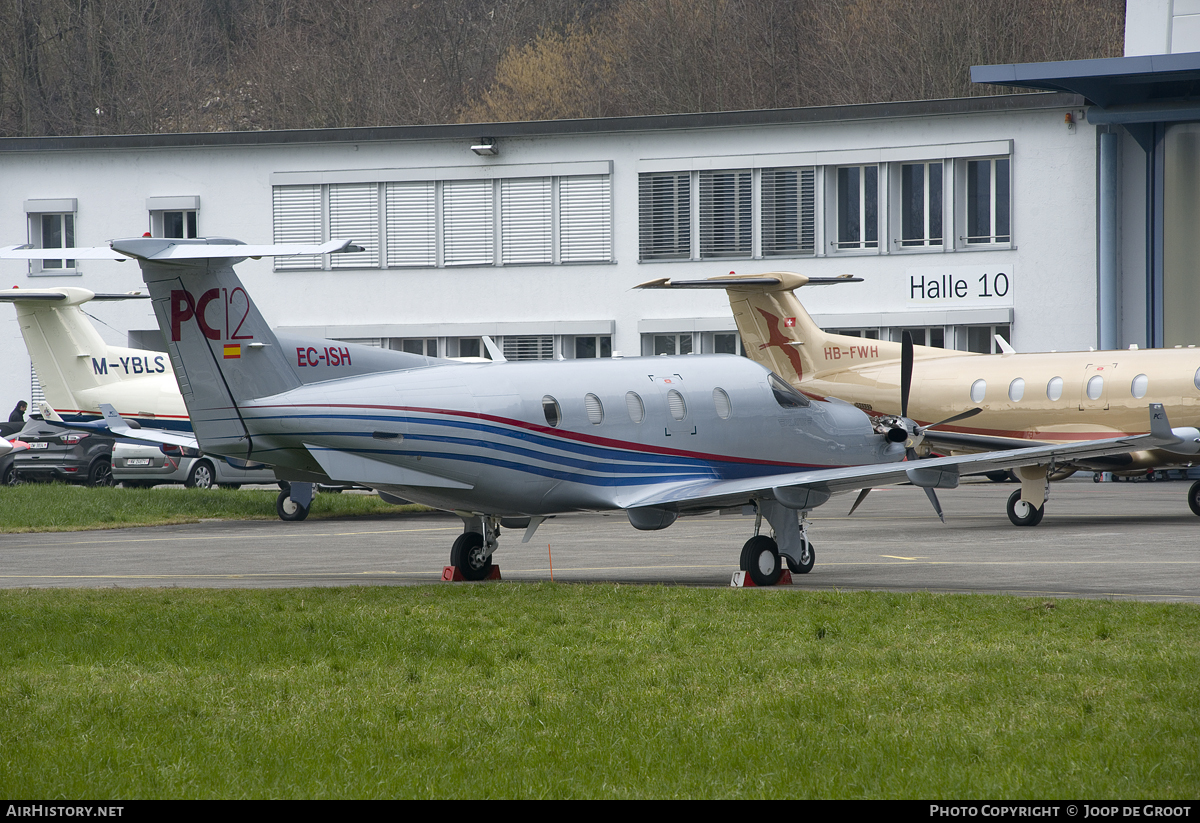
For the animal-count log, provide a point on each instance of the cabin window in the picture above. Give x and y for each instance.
(978, 391)
(721, 401)
(1054, 388)
(551, 410)
(676, 404)
(785, 395)
(595, 409)
(1016, 390)
(1196, 379)
(637, 409)
(1139, 386)
(1095, 387)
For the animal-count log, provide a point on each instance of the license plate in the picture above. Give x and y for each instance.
(37, 445)
(138, 461)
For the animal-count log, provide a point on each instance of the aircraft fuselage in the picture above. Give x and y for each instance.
(533, 438)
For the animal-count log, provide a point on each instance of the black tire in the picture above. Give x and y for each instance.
(288, 509)
(998, 476)
(466, 556)
(231, 486)
(760, 560)
(10, 476)
(136, 484)
(809, 558)
(202, 476)
(1023, 514)
(100, 473)
(1194, 498)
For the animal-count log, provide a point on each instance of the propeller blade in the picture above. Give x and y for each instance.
(862, 495)
(955, 418)
(937, 507)
(906, 371)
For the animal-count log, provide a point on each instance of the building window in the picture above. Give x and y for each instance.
(56, 231)
(982, 339)
(535, 220)
(725, 214)
(920, 205)
(988, 206)
(427, 346)
(52, 226)
(727, 343)
(664, 210)
(354, 214)
(934, 336)
(528, 347)
(180, 224)
(789, 224)
(589, 347)
(671, 343)
(857, 207)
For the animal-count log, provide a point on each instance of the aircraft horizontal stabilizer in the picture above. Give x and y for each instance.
(119, 426)
(347, 467)
(165, 250)
(774, 281)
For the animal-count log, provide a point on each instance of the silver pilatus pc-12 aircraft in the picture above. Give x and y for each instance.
(512, 443)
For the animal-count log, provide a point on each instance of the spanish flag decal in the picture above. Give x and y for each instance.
(233, 351)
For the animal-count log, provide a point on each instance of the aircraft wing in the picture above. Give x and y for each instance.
(119, 426)
(808, 489)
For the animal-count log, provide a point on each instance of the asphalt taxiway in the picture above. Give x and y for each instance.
(1108, 540)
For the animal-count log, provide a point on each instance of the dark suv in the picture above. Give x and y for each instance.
(58, 452)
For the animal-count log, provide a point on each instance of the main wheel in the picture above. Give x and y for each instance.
(100, 474)
(760, 559)
(1194, 498)
(807, 558)
(1023, 514)
(466, 555)
(288, 509)
(202, 476)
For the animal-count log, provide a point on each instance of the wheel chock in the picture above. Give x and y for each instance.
(451, 574)
(741, 580)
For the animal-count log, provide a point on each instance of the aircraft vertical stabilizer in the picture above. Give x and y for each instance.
(221, 348)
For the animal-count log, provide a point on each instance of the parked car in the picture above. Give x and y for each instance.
(59, 452)
(146, 464)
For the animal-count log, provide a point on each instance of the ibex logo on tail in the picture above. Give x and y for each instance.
(775, 339)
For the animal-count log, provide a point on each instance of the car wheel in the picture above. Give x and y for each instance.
(10, 476)
(201, 476)
(100, 474)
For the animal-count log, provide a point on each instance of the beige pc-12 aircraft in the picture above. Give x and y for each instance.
(512, 443)
(1024, 398)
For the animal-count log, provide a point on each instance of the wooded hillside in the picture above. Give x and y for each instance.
(139, 66)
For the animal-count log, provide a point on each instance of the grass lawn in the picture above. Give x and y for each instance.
(57, 507)
(544, 690)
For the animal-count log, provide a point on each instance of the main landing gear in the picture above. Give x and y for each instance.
(294, 501)
(1021, 513)
(1194, 498)
(763, 557)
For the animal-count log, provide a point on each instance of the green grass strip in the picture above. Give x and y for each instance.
(544, 690)
(56, 507)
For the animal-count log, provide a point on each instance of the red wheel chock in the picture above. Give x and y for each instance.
(451, 574)
(741, 580)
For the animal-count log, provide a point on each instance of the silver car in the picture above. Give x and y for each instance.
(135, 464)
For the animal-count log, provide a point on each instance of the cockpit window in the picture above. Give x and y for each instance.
(785, 395)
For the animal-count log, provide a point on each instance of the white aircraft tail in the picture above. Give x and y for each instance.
(72, 360)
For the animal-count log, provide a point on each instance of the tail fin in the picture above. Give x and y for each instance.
(224, 353)
(778, 333)
(222, 350)
(73, 363)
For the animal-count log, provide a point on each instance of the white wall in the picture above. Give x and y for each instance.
(1052, 264)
